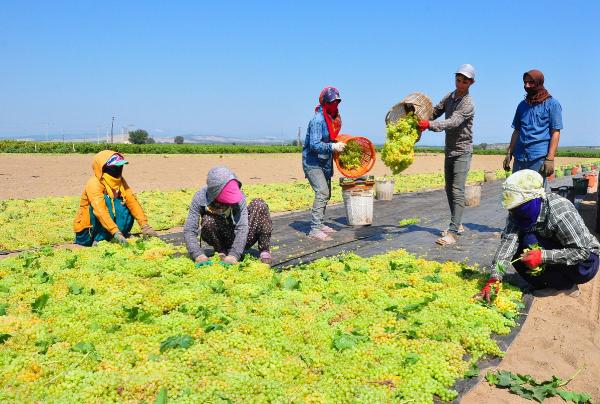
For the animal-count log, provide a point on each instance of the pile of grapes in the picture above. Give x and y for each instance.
(350, 158)
(399, 149)
(139, 322)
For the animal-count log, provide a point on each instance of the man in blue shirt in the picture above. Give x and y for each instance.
(537, 124)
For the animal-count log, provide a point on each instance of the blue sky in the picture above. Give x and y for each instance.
(256, 68)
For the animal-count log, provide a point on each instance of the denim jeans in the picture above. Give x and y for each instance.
(535, 165)
(321, 185)
(455, 174)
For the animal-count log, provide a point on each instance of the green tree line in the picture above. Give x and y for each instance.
(16, 146)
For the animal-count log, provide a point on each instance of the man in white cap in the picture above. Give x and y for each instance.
(459, 113)
(545, 239)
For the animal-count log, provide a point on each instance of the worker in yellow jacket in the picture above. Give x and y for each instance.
(108, 206)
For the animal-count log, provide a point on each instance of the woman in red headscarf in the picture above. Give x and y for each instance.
(537, 124)
(317, 157)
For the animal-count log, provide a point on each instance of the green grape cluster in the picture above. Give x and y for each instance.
(127, 323)
(399, 149)
(350, 158)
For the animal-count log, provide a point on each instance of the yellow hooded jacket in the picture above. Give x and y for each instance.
(93, 194)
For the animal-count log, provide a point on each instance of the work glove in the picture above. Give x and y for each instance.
(148, 231)
(506, 163)
(118, 237)
(204, 263)
(532, 259)
(486, 292)
(339, 146)
(230, 259)
(548, 168)
(423, 125)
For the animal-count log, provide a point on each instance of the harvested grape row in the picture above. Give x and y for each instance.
(28, 223)
(123, 324)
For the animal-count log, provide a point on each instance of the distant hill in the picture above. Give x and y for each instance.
(213, 139)
(122, 138)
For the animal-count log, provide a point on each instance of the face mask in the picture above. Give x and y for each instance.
(113, 171)
(331, 108)
(221, 210)
(525, 215)
(532, 86)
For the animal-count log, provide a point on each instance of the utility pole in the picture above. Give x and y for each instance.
(112, 124)
(299, 132)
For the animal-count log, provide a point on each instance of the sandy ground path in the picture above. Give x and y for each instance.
(561, 335)
(24, 176)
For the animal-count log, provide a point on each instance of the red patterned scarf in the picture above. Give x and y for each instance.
(333, 120)
(334, 125)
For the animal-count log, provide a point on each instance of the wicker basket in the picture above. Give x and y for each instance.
(367, 159)
(418, 103)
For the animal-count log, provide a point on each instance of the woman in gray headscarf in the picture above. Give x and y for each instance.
(220, 215)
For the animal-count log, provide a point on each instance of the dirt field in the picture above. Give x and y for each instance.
(561, 334)
(24, 176)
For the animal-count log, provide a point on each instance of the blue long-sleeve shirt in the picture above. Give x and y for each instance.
(317, 150)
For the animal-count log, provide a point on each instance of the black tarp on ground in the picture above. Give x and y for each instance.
(483, 223)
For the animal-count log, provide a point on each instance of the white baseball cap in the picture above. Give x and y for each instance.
(466, 70)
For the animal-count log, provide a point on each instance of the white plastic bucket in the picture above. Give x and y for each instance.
(489, 176)
(359, 206)
(472, 195)
(384, 190)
